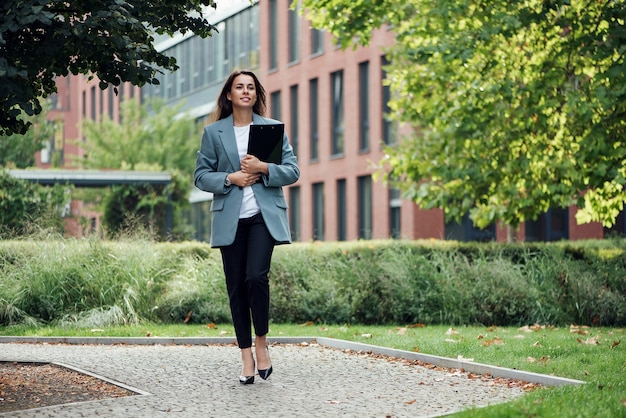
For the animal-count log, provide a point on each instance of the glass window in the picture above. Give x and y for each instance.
(273, 34)
(111, 101)
(318, 211)
(341, 210)
(294, 34)
(337, 134)
(93, 102)
(364, 105)
(550, 226)
(197, 63)
(275, 104)
(365, 206)
(293, 122)
(395, 221)
(317, 42)
(389, 135)
(313, 117)
(466, 231)
(294, 212)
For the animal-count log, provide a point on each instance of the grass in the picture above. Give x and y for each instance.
(594, 355)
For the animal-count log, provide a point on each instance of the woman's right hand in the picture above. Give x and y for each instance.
(242, 179)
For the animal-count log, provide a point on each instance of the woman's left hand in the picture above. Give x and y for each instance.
(252, 165)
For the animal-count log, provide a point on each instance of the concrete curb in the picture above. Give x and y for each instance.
(472, 367)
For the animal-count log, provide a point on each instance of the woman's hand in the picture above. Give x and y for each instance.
(241, 179)
(252, 165)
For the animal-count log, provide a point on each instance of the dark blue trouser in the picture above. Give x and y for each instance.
(246, 266)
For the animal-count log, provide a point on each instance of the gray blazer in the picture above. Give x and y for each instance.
(217, 158)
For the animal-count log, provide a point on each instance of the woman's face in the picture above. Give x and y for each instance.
(243, 92)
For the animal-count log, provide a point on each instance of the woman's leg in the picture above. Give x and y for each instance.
(259, 256)
(233, 257)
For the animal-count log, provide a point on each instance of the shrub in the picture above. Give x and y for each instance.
(90, 281)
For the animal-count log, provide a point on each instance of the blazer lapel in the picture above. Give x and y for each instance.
(229, 142)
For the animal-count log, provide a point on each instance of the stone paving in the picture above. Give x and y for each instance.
(309, 380)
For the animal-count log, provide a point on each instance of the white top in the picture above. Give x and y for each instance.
(249, 205)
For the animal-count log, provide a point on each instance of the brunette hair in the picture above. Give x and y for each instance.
(225, 107)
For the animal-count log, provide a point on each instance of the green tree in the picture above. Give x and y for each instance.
(18, 150)
(516, 106)
(25, 205)
(150, 137)
(109, 39)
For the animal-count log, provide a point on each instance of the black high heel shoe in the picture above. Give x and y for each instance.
(246, 380)
(265, 373)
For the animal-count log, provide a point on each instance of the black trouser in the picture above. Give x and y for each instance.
(246, 267)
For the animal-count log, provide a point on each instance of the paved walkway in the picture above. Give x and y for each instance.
(309, 380)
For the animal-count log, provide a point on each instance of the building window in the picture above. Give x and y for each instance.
(84, 104)
(341, 210)
(93, 103)
(275, 104)
(318, 211)
(466, 231)
(337, 145)
(317, 42)
(364, 105)
(197, 63)
(111, 102)
(395, 221)
(273, 34)
(294, 213)
(314, 118)
(389, 135)
(294, 34)
(293, 122)
(101, 102)
(365, 207)
(550, 226)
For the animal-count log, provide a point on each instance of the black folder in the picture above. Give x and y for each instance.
(266, 142)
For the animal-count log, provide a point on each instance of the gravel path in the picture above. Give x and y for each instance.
(309, 380)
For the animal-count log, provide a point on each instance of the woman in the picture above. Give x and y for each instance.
(248, 217)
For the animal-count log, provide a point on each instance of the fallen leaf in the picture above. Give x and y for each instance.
(366, 335)
(480, 337)
(148, 334)
(461, 358)
(615, 343)
(416, 350)
(188, 317)
(307, 324)
(402, 331)
(452, 331)
(101, 330)
(450, 340)
(494, 341)
(537, 344)
(211, 326)
(593, 341)
(418, 325)
(624, 402)
(531, 359)
(412, 401)
(224, 332)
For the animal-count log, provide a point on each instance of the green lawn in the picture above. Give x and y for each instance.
(594, 355)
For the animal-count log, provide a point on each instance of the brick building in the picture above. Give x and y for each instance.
(333, 103)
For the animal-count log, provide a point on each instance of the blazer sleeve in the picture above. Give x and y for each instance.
(285, 173)
(211, 169)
